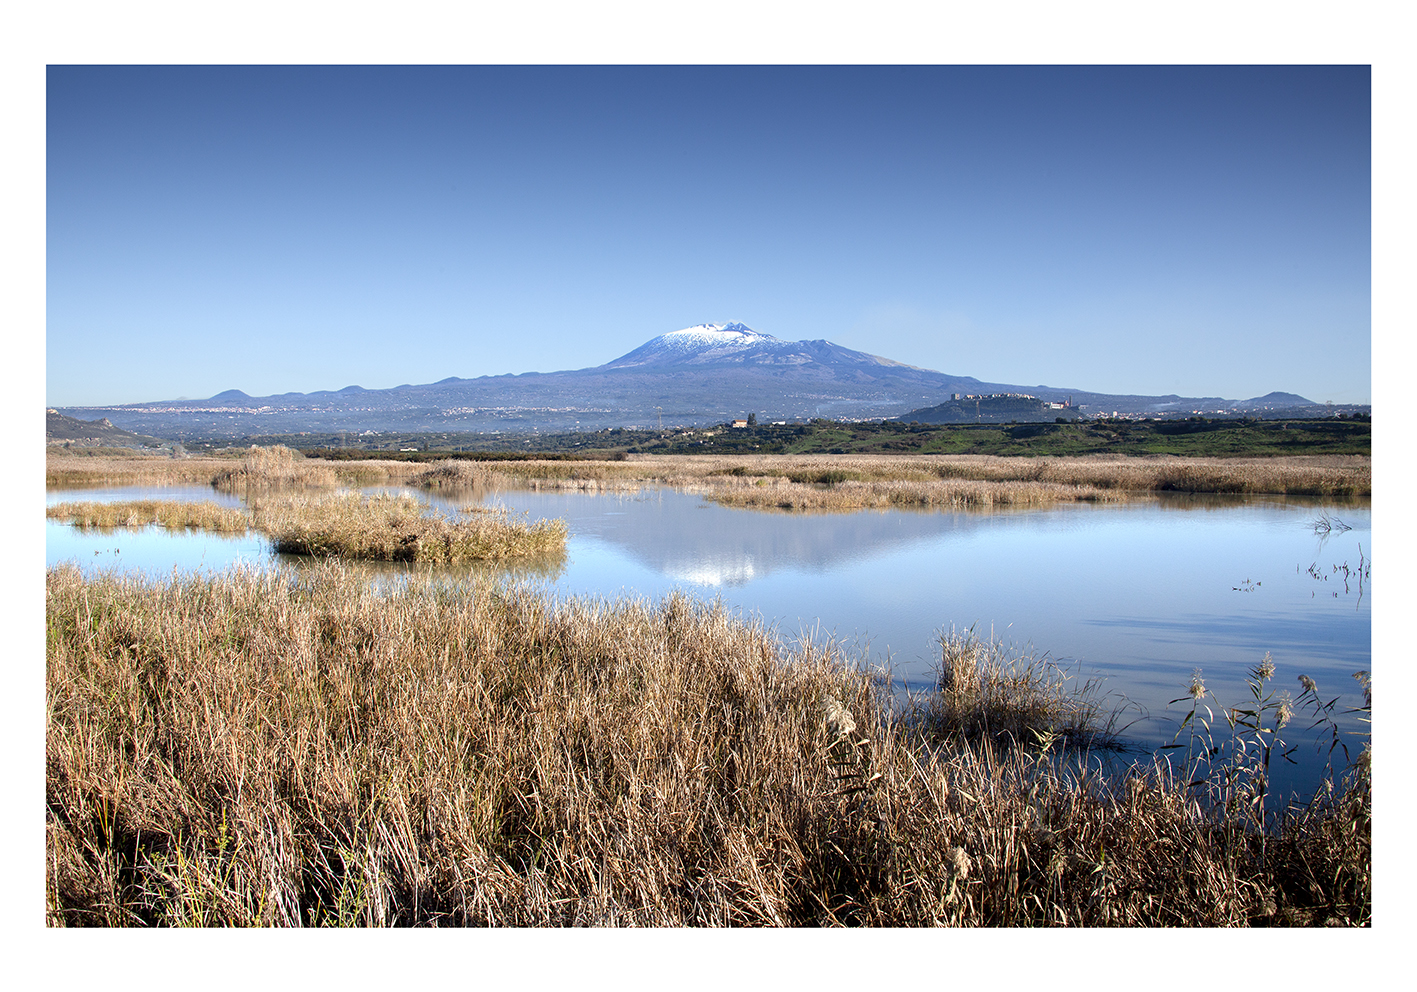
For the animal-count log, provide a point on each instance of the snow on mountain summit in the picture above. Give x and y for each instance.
(736, 345)
(702, 342)
(702, 336)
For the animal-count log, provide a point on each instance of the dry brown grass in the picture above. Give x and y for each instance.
(769, 481)
(398, 528)
(845, 482)
(1335, 476)
(456, 475)
(172, 514)
(983, 691)
(773, 493)
(379, 528)
(256, 750)
(68, 470)
(274, 467)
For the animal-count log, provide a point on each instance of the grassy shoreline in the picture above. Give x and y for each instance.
(841, 482)
(253, 749)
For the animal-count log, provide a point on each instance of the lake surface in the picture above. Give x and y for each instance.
(1141, 594)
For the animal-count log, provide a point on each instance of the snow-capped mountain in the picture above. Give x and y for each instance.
(697, 344)
(700, 375)
(739, 344)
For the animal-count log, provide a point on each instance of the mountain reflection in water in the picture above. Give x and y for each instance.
(1140, 593)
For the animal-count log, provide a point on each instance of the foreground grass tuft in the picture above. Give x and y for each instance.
(257, 749)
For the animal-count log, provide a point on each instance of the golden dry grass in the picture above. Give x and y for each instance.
(769, 481)
(171, 514)
(984, 692)
(274, 467)
(379, 528)
(398, 528)
(774, 493)
(257, 750)
(67, 470)
(844, 482)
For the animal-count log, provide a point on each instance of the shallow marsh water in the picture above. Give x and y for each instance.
(1139, 593)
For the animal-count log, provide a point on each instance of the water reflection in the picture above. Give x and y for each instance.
(1139, 593)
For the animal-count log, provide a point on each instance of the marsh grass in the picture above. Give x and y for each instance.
(398, 528)
(847, 495)
(274, 467)
(458, 476)
(67, 470)
(984, 690)
(257, 749)
(171, 514)
(840, 482)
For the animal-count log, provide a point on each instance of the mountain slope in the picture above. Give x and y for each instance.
(700, 375)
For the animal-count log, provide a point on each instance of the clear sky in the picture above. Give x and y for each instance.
(1202, 231)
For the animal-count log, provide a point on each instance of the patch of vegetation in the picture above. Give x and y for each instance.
(1196, 437)
(398, 528)
(171, 514)
(983, 693)
(253, 750)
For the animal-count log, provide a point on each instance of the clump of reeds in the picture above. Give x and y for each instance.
(453, 474)
(171, 514)
(273, 467)
(984, 690)
(847, 494)
(398, 528)
(253, 749)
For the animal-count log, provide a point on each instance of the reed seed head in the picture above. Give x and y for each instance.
(1309, 684)
(839, 721)
(1265, 669)
(1286, 710)
(1197, 689)
(960, 862)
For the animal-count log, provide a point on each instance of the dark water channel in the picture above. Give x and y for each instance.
(1141, 594)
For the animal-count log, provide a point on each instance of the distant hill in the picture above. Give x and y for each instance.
(59, 429)
(1274, 401)
(701, 375)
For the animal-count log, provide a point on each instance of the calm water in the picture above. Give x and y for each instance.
(1141, 594)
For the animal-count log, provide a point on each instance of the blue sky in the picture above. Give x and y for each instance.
(1204, 231)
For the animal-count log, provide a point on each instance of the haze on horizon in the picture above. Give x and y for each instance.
(1195, 230)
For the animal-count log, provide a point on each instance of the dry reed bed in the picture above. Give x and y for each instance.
(985, 692)
(955, 493)
(379, 528)
(397, 528)
(68, 471)
(171, 514)
(253, 749)
(879, 479)
(848, 482)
